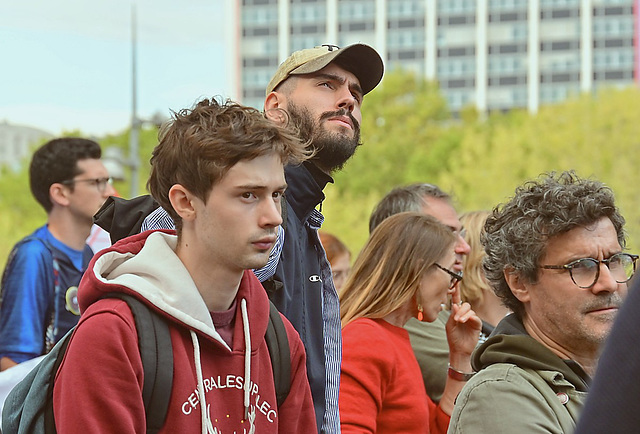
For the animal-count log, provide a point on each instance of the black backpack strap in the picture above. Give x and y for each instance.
(278, 345)
(156, 351)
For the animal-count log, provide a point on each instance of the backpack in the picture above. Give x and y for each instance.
(29, 406)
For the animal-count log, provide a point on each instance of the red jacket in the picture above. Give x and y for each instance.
(381, 387)
(98, 388)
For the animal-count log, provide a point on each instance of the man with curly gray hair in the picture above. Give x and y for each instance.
(555, 256)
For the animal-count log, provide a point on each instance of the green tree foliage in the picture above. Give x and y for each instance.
(407, 136)
(482, 161)
(597, 136)
(402, 120)
(19, 211)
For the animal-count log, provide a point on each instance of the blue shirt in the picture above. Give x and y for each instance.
(27, 309)
(332, 335)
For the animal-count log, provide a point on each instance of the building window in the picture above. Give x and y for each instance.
(405, 8)
(507, 5)
(456, 6)
(357, 10)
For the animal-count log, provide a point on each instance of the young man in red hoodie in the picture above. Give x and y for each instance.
(218, 171)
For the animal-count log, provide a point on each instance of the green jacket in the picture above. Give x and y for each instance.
(520, 387)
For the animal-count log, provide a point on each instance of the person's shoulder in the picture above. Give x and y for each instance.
(499, 372)
(108, 313)
(295, 341)
(368, 345)
(506, 379)
(369, 333)
(365, 325)
(31, 248)
(109, 305)
(500, 399)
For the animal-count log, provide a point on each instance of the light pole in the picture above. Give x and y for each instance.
(134, 160)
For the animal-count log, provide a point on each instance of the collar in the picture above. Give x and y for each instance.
(305, 185)
(510, 343)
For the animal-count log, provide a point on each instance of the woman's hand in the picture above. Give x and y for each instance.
(463, 330)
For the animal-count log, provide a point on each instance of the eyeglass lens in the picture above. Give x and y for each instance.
(585, 272)
(101, 183)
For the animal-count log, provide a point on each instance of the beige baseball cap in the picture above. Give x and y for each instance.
(361, 60)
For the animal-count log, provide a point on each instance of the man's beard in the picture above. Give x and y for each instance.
(332, 149)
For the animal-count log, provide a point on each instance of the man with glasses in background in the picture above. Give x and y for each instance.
(38, 302)
(428, 339)
(554, 255)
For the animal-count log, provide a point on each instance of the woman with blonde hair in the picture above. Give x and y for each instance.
(403, 271)
(475, 289)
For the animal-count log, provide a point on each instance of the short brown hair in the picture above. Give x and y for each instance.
(199, 145)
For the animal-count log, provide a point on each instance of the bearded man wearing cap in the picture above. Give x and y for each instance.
(320, 92)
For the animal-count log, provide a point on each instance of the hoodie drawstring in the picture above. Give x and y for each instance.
(247, 356)
(207, 428)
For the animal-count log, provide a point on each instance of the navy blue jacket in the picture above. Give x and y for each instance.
(302, 268)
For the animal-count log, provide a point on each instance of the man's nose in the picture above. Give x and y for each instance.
(346, 100)
(272, 215)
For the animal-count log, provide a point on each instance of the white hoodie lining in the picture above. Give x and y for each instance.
(164, 281)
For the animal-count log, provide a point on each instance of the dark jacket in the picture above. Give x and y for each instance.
(521, 387)
(302, 269)
(613, 405)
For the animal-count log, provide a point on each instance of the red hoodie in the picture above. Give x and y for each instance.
(98, 387)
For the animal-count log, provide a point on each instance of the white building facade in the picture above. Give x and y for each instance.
(492, 54)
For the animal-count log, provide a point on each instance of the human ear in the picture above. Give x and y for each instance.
(274, 108)
(59, 194)
(182, 202)
(519, 288)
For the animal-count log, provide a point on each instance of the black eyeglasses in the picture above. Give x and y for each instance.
(585, 271)
(100, 183)
(455, 277)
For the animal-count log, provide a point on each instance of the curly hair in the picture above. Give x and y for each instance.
(517, 233)
(387, 272)
(199, 146)
(57, 161)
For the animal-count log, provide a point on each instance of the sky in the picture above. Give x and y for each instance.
(67, 64)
